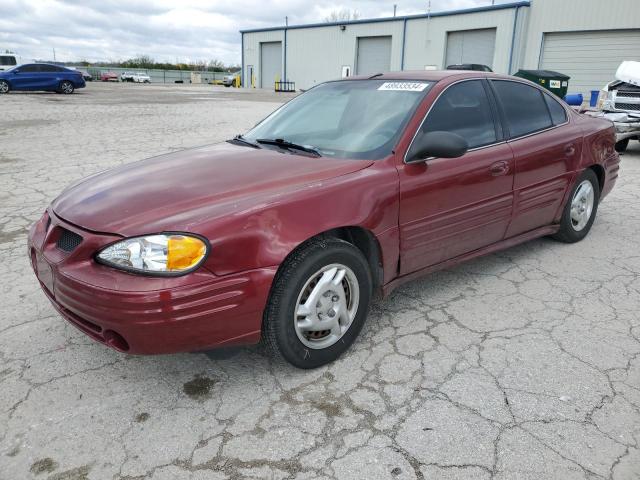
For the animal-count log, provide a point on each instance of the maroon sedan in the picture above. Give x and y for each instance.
(285, 233)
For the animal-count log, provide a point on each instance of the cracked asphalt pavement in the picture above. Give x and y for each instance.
(521, 365)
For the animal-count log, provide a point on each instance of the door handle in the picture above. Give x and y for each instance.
(499, 168)
(570, 150)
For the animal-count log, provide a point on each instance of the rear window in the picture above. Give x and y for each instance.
(7, 60)
(558, 114)
(524, 107)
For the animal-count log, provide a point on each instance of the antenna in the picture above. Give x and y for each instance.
(286, 21)
(395, 7)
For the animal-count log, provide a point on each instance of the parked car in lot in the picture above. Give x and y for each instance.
(478, 67)
(229, 80)
(86, 75)
(285, 233)
(126, 76)
(136, 77)
(41, 76)
(108, 77)
(141, 77)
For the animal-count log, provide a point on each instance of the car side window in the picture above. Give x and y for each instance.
(558, 114)
(464, 109)
(50, 68)
(524, 107)
(30, 68)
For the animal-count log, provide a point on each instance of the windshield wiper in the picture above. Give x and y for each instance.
(280, 142)
(240, 139)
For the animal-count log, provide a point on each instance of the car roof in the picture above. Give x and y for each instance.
(429, 75)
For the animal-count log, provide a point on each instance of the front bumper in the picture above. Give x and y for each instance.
(145, 315)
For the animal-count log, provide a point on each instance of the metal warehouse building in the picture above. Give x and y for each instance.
(585, 39)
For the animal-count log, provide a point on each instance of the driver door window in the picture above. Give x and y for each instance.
(464, 108)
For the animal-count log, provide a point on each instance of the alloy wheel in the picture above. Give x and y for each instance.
(66, 87)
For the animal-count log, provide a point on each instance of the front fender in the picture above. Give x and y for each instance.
(263, 235)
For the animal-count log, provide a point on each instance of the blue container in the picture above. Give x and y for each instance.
(574, 99)
(594, 98)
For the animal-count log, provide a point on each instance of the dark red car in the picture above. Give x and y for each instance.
(285, 233)
(108, 77)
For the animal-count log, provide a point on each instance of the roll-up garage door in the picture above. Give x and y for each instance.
(471, 46)
(589, 58)
(374, 55)
(270, 63)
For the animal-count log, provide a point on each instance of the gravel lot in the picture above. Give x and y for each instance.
(521, 365)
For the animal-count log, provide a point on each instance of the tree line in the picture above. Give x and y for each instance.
(147, 62)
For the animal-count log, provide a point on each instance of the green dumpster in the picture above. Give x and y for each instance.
(553, 81)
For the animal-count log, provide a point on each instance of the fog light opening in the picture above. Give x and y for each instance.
(115, 341)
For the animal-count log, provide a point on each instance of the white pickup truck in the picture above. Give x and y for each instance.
(621, 102)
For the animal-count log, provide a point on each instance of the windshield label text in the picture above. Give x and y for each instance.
(404, 86)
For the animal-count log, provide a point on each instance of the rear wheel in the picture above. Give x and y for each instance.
(66, 87)
(580, 210)
(318, 304)
(4, 86)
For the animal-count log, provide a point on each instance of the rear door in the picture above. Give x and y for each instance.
(546, 147)
(49, 76)
(452, 206)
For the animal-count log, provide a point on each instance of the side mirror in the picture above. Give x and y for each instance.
(437, 144)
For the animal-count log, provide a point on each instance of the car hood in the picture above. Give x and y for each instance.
(178, 190)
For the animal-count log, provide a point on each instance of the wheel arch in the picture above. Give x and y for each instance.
(600, 173)
(361, 238)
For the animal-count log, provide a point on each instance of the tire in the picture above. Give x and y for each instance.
(66, 87)
(622, 145)
(575, 225)
(4, 87)
(284, 332)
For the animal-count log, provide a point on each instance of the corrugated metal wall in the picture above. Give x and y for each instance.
(318, 53)
(426, 43)
(315, 55)
(252, 54)
(576, 15)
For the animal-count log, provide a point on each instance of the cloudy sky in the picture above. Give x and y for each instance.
(168, 30)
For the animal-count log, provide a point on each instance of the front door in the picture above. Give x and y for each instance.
(26, 77)
(452, 206)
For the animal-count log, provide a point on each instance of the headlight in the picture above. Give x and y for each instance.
(167, 253)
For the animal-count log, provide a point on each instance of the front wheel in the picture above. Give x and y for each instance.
(580, 211)
(4, 86)
(66, 87)
(318, 304)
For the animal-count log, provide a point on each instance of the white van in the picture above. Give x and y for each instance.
(8, 60)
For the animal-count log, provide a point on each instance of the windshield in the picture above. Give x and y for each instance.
(346, 119)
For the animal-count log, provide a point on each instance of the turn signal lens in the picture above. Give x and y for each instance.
(170, 253)
(184, 252)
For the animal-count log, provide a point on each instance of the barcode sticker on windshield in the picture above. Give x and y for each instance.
(404, 86)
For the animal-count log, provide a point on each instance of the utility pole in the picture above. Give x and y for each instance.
(54, 54)
(286, 21)
(395, 7)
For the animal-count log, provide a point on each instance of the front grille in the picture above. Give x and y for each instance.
(628, 106)
(627, 93)
(68, 240)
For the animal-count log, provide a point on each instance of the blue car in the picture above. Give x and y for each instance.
(41, 76)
